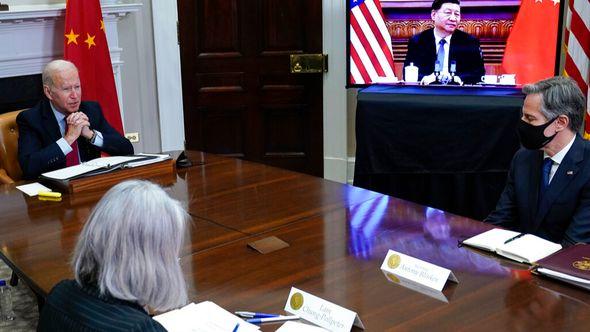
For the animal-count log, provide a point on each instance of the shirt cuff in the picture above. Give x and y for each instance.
(98, 140)
(64, 146)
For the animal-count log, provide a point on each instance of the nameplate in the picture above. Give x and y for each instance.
(417, 271)
(321, 312)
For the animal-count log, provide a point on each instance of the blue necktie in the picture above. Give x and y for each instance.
(547, 163)
(440, 55)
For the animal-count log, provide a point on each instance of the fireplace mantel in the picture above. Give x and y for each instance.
(32, 35)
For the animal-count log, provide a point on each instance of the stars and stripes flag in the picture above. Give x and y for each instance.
(371, 57)
(85, 45)
(577, 45)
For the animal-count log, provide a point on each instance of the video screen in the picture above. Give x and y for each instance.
(475, 42)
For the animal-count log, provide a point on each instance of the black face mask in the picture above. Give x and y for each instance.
(532, 137)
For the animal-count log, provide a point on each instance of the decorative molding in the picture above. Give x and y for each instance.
(35, 13)
(482, 29)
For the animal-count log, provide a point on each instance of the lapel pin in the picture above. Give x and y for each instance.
(569, 172)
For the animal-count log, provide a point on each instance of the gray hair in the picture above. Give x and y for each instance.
(129, 247)
(561, 96)
(53, 67)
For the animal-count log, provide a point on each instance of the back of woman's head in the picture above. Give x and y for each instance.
(129, 246)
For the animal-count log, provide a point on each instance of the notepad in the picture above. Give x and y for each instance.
(525, 248)
(103, 165)
(203, 317)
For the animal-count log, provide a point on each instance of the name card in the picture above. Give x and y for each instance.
(416, 287)
(416, 270)
(321, 312)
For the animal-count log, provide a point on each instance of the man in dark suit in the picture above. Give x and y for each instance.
(548, 188)
(61, 130)
(447, 46)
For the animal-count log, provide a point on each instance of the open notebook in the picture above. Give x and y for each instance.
(524, 248)
(103, 165)
(203, 317)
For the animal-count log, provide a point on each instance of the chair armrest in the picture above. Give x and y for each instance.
(4, 178)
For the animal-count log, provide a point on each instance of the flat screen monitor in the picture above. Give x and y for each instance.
(488, 42)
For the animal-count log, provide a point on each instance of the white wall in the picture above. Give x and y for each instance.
(139, 79)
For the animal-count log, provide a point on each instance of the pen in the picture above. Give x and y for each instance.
(271, 319)
(249, 314)
(514, 238)
(49, 194)
(236, 328)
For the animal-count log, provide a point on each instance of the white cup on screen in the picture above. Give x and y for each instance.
(411, 73)
(490, 79)
(508, 79)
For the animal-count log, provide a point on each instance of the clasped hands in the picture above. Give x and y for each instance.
(444, 77)
(78, 125)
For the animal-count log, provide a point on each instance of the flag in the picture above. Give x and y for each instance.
(371, 57)
(530, 48)
(86, 46)
(577, 47)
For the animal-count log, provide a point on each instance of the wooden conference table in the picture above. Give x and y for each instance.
(338, 237)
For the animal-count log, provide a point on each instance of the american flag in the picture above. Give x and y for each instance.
(371, 58)
(577, 44)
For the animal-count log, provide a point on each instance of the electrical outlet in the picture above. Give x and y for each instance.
(132, 137)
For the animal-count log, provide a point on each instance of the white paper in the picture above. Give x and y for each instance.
(32, 189)
(159, 158)
(291, 326)
(528, 249)
(418, 271)
(203, 317)
(89, 166)
(321, 312)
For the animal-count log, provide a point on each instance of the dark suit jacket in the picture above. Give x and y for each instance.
(562, 214)
(38, 151)
(70, 307)
(464, 50)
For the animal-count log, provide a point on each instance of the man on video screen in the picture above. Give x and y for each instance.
(445, 49)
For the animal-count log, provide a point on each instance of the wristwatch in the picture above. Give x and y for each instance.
(93, 138)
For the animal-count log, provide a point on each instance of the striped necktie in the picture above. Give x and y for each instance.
(440, 55)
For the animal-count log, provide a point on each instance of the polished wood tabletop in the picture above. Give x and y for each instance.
(338, 236)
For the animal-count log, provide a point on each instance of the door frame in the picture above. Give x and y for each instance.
(334, 108)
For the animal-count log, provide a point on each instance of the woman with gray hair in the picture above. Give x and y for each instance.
(125, 263)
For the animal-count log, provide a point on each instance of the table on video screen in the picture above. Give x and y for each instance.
(338, 235)
(447, 147)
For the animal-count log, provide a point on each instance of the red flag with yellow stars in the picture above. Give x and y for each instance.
(86, 46)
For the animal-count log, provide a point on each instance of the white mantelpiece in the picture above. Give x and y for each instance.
(31, 36)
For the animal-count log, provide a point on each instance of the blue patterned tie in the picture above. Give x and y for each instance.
(440, 55)
(547, 163)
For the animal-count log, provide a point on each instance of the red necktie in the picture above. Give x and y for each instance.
(72, 158)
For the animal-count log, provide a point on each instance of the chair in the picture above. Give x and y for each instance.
(9, 167)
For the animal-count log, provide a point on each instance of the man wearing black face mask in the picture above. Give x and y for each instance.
(548, 188)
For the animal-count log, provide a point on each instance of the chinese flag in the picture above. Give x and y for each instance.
(86, 46)
(530, 48)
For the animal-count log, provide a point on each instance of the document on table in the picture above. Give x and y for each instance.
(32, 189)
(203, 317)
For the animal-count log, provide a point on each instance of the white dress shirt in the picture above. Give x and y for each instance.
(558, 158)
(62, 143)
